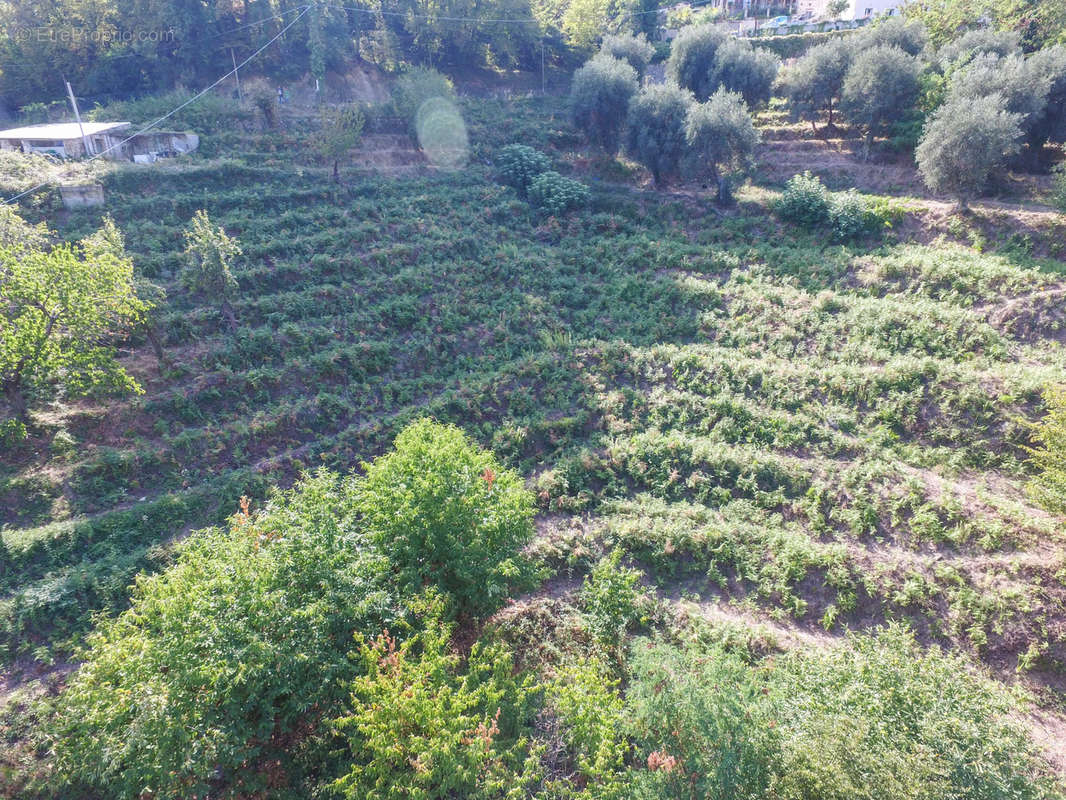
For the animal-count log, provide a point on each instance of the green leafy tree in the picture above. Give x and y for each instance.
(209, 258)
(448, 515)
(1049, 125)
(910, 36)
(339, 131)
(814, 83)
(721, 134)
(964, 143)
(415, 88)
(960, 52)
(692, 59)
(424, 724)
(584, 22)
(208, 684)
(634, 50)
(599, 99)
(655, 129)
(1022, 85)
(881, 87)
(1039, 23)
(739, 67)
(837, 7)
(60, 310)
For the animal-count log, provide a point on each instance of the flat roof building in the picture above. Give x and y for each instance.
(63, 139)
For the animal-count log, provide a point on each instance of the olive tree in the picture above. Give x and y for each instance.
(739, 67)
(599, 99)
(692, 59)
(910, 36)
(720, 133)
(813, 84)
(962, 51)
(209, 257)
(964, 142)
(881, 86)
(1049, 125)
(655, 129)
(634, 50)
(60, 309)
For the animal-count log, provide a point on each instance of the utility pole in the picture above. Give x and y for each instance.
(543, 81)
(77, 116)
(236, 77)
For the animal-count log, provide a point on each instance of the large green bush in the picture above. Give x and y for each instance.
(637, 51)
(1048, 456)
(211, 113)
(424, 724)
(414, 88)
(738, 67)
(655, 129)
(881, 86)
(599, 99)
(721, 133)
(448, 515)
(805, 201)
(556, 194)
(692, 59)
(519, 164)
(206, 682)
(814, 83)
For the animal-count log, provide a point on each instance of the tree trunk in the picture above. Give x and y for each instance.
(867, 143)
(336, 172)
(157, 344)
(230, 315)
(15, 398)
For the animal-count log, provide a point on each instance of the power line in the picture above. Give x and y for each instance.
(175, 110)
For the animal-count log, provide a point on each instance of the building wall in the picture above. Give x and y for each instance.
(872, 8)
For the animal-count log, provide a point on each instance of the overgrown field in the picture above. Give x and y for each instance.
(771, 426)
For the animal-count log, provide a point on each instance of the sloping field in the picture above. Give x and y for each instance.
(775, 427)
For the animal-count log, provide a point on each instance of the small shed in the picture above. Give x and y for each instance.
(64, 139)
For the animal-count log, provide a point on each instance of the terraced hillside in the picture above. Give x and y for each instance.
(773, 426)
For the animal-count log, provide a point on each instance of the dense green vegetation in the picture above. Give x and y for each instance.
(512, 476)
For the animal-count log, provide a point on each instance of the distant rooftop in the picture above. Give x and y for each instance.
(61, 130)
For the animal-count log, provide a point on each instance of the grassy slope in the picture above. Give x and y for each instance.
(827, 435)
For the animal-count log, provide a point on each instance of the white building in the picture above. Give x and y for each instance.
(64, 138)
(107, 139)
(858, 9)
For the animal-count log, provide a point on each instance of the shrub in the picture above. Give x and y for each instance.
(556, 194)
(655, 129)
(211, 113)
(850, 216)
(205, 682)
(585, 697)
(611, 599)
(805, 201)
(881, 87)
(414, 88)
(518, 165)
(1058, 196)
(636, 51)
(883, 716)
(599, 99)
(721, 133)
(701, 723)
(739, 67)
(1048, 456)
(692, 59)
(964, 142)
(447, 514)
(422, 726)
